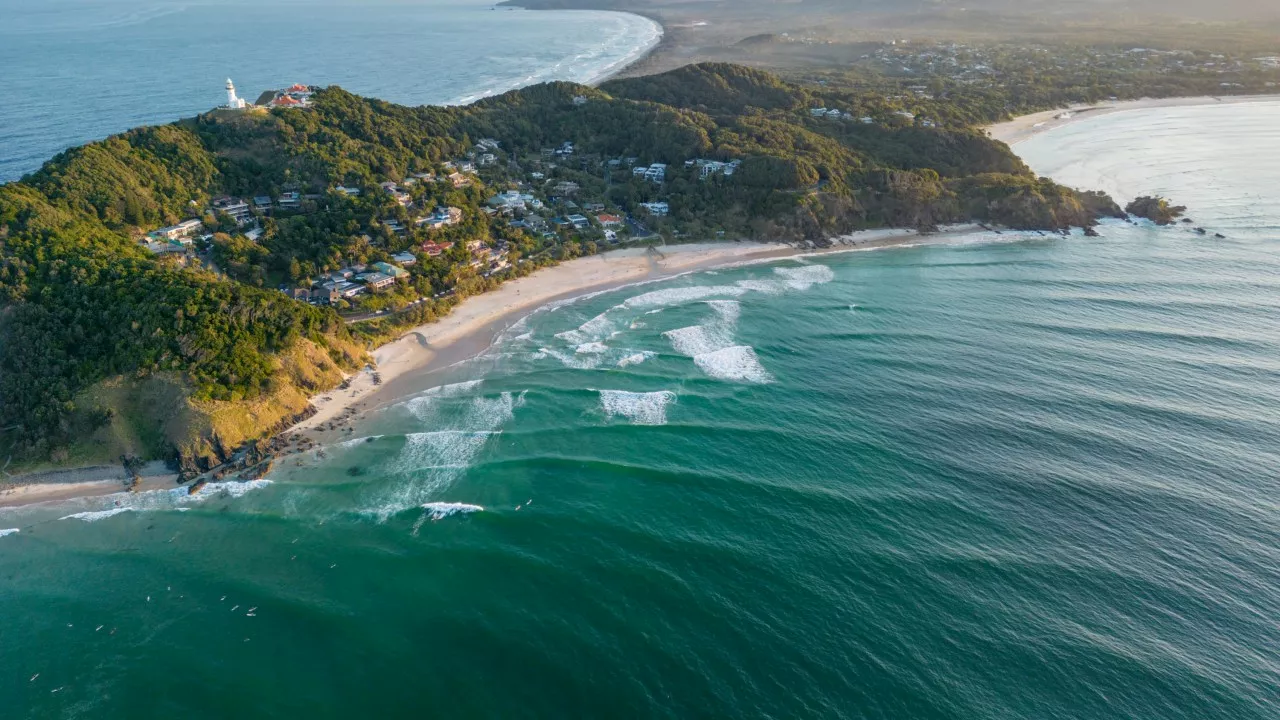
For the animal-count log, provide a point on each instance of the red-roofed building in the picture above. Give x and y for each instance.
(609, 221)
(299, 88)
(434, 249)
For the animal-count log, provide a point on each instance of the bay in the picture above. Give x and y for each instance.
(1011, 475)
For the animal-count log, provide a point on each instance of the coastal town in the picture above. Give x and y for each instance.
(556, 202)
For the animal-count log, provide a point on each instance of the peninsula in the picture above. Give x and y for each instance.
(175, 291)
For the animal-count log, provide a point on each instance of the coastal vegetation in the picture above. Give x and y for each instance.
(92, 305)
(1156, 209)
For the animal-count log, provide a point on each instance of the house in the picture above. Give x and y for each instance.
(639, 171)
(609, 221)
(514, 200)
(656, 208)
(289, 201)
(489, 144)
(254, 234)
(566, 188)
(342, 289)
(407, 259)
(184, 229)
(349, 192)
(486, 159)
(389, 186)
(435, 249)
(868, 120)
(236, 208)
(262, 202)
(394, 226)
(656, 173)
(459, 180)
(579, 222)
(818, 112)
(375, 280)
(395, 273)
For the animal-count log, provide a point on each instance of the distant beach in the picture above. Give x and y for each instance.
(367, 48)
(1025, 127)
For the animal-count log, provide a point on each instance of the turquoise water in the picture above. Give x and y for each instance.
(79, 70)
(1004, 477)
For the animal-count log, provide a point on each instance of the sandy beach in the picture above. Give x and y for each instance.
(472, 326)
(1027, 126)
(95, 481)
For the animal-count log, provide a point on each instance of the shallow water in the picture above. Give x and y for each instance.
(1012, 476)
(79, 70)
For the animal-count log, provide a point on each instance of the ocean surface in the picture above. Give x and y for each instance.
(1009, 476)
(72, 71)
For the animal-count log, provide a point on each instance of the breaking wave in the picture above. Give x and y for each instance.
(680, 296)
(734, 363)
(699, 339)
(422, 406)
(178, 498)
(442, 510)
(805, 276)
(431, 461)
(636, 359)
(640, 408)
(9, 531)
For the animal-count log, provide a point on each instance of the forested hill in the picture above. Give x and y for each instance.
(94, 321)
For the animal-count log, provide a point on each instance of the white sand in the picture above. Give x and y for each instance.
(1028, 126)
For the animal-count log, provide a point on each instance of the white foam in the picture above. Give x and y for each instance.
(734, 363)
(600, 325)
(440, 449)
(577, 362)
(699, 339)
(354, 442)
(423, 405)
(231, 489)
(591, 348)
(680, 296)
(636, 359)
(431, 461)
(728, 310)
(766, 286)
(96, 515)
(805, 276)
(640, 408)
(176, 498)
(9, 531)
(442, 510)
(572, 337)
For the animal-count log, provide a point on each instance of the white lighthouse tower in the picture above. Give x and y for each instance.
(234, 102)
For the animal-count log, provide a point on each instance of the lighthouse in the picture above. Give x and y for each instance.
(233, 102)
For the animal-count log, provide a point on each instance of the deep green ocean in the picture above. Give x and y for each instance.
(1008, 476)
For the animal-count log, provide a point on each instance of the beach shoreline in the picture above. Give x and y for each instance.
(467, 332)
(472, 327)
(1024, 127)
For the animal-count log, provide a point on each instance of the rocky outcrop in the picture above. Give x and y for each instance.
(1156, 209)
